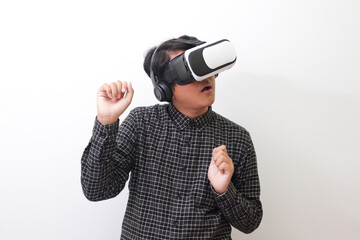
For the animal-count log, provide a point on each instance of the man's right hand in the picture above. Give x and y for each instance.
(112, 100)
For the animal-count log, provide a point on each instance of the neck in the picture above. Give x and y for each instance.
(191, 112)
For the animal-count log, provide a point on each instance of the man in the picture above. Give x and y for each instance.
(193, 172)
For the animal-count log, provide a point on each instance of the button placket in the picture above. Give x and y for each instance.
(186, 144)
(187, 140)
(192, 123)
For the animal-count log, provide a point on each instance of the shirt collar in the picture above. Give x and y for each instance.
(182, 121)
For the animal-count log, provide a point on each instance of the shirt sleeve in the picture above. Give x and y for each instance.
(107, 160)
(241, 204)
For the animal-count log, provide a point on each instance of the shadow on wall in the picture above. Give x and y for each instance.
(307, 145)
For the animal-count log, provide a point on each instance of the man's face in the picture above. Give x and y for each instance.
(196, 95)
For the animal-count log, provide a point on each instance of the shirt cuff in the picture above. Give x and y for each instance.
(104, 132)
(227, 199)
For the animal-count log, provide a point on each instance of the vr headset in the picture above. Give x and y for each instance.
(195, 64)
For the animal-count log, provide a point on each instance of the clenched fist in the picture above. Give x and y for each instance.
(220, 170)
(112, 100)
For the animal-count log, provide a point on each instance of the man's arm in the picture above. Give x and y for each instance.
(106, 161)
(240, 202)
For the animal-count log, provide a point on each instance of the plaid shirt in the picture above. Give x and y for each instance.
(168, 155)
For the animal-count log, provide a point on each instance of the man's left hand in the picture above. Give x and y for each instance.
(220, 170)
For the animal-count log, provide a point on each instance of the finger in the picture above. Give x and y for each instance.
(220, 148)
(225, 167)
(105, 87)
(219, 160)
(219, 154)
(114, 89)
(223, 158)
(118, 87)
(124, 88)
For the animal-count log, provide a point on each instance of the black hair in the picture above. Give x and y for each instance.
(161, 59)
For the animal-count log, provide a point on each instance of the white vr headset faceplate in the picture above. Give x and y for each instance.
(218, 56)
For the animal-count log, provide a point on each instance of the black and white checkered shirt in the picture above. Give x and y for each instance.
(168, 155)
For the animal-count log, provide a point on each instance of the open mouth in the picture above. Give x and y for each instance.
(206, 88)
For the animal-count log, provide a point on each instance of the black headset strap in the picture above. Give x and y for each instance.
(187, 41)
(190, 42)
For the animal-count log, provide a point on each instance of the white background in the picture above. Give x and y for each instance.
(295, 88)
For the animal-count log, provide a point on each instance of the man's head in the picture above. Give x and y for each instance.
(193, 95)
(160, 60)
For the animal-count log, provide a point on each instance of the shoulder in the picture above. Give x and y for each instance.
(233, 131)
(156, 112)
(150, 110)
(227, 124)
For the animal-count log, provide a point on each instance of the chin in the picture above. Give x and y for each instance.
(209, 102)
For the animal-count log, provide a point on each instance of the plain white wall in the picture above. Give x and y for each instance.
(295, 87)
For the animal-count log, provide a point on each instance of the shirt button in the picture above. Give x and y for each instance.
(192, 123)
(179, 195)
(102, 134)
(183, 168)
(176, 223)
(187, 140)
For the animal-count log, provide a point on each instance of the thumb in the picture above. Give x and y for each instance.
(130, 92)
